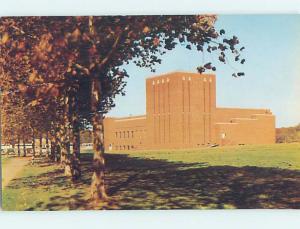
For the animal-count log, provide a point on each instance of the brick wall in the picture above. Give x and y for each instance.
(244, 126)
(125, 133)
(181, 112)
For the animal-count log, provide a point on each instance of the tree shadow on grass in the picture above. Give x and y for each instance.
(157, 184)
(140, 183)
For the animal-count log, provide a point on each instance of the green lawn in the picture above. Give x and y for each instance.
(225, 177)
(285, 156)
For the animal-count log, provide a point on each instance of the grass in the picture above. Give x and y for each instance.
(37, 185)
(4, 160)
(284, 156)
(228, 177)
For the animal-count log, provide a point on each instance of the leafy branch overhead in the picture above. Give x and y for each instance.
(62, 49)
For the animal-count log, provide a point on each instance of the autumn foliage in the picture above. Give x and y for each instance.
(60, 75)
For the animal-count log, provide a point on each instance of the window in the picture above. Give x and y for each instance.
(128, 147)
(132, 133)
(124, 134)
(128, 134)
(120, 135)
(223, 135)
(116, 134)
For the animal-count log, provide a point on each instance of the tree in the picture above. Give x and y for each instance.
(87, 56)
(141, 40)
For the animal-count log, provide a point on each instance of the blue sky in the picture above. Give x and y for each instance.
(272, 69)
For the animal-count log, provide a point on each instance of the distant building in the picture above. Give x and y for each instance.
(181, 113)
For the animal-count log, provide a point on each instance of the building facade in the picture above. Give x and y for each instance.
(181, 112)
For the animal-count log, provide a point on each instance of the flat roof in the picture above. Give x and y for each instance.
(179, 72)
(244, 108)
(128, 118)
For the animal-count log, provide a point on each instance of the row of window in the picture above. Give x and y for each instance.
(124, 147)
(183, 78)
(125, 134)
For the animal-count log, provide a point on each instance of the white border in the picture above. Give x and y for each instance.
(137, 7)
(239, 219)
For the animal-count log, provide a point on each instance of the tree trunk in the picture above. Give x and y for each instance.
(19, 150)
(76, 141)
(64, 139)
(57, 153)
(98, 191)
(47, 145)
(41, 144)
(14, 148)
(52, 150)
(24, 148)
(53, 146)
(33, 144)
(75, 159)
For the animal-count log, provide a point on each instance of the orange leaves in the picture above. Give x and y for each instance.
(44, 44)
(69, 69)
(39, 91)
(44, 47)
(34, 78)
(22, 88)
(75, 34)
(21, 45)
(146, 29)
(205, 22)
(5, 100)
(34, 103)
(5, 38)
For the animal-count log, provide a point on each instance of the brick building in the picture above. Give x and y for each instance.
(181, 112)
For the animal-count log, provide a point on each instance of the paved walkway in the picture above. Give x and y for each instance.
(11, 169)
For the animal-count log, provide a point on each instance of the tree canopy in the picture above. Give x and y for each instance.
(66, 71)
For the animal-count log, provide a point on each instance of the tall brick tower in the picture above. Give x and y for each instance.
(180, 110)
